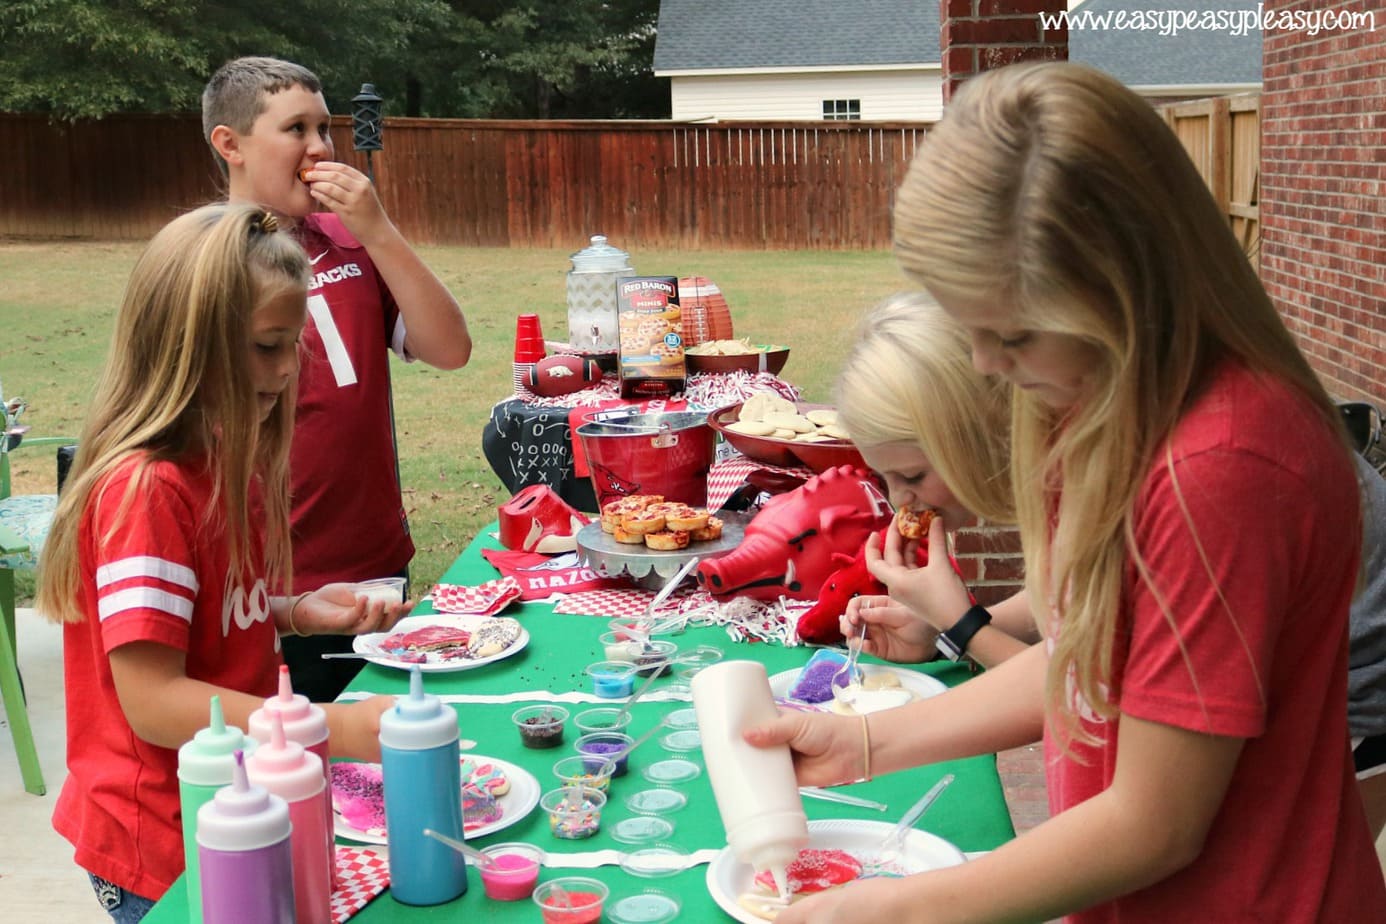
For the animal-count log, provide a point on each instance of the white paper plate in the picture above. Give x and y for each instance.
(921, 685)
(727, 878)
(370, 643)
(515, 804)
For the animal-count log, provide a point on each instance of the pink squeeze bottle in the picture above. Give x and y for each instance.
(304, 723)
(286, 770)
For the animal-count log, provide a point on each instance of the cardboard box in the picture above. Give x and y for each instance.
(651, 349)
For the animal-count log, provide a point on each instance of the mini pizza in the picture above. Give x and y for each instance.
(626, 537)
(913, 525)
(303, 175)
(667, 541)
(642, 522)
(709, 533)
(687, 519)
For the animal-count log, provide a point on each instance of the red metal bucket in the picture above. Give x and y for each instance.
(667, 454)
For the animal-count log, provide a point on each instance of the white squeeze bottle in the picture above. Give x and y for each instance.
(757, 794)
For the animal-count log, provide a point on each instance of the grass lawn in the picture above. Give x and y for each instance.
(58, 301)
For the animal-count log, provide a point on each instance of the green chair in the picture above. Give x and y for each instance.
(24, 522)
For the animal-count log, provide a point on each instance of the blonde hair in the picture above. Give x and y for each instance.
(177, 385)
(908, 378)
(235, 94)
(1054, 190)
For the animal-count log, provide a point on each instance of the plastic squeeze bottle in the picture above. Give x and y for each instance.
(286, 770)
(757, 793)
(423, 783)
(205, 764)
(305, 723)
(243, 847)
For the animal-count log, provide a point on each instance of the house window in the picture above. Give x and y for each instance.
(842, 109)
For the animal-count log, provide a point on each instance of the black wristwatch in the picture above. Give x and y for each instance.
(953, 643)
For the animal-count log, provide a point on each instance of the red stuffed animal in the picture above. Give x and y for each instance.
(820, 625)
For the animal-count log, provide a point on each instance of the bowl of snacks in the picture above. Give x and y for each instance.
(776, 431)
(731, 355)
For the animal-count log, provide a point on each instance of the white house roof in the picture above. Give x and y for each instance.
(1146, 58)
(741, 35)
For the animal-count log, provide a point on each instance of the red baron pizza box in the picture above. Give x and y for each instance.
(651, 348)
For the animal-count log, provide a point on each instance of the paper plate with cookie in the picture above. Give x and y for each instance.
(441, 643)
(839, 852)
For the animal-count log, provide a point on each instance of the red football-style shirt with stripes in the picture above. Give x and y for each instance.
(155, 571)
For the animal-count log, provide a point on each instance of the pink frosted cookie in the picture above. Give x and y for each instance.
(815, 871)
(485, 776)
(444, 641)
(358, 795)
(479, 807)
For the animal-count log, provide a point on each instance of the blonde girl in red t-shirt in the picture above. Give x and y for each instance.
(1190, 521)
(164, 605)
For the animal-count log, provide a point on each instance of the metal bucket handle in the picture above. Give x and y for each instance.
(663, 434)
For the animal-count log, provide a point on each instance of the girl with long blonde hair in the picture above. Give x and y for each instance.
(170, 531)
(1189, 514)
(935, 429)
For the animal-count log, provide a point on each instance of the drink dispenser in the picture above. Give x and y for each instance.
(592, 322)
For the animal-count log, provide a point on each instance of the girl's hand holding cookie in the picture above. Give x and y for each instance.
(336, 609)
(932, 592)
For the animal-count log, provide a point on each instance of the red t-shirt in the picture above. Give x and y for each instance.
(348, 519)
(1259, 604)
(160, 577)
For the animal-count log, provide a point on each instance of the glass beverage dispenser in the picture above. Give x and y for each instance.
(592, 323)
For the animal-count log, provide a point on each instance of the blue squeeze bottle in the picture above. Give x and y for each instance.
(419, 761)
(205, 764)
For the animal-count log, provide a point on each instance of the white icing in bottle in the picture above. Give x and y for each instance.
(757, 793)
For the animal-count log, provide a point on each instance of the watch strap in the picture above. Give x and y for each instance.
(953, 642)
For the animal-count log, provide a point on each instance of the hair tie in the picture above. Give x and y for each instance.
(265, 222)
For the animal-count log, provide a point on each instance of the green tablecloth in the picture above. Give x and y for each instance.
(972, 814)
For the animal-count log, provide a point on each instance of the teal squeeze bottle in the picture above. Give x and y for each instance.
(205, 764)
(423, 782)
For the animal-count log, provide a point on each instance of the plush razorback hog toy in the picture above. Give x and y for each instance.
(821, 624)
(798, 539)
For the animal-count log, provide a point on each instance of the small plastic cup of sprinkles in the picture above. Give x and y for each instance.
(611, 679)
(603, 747)
(654, 657)
(603, 718)
(540, 726)
(571, 900)
(584, 771)
(574, 813)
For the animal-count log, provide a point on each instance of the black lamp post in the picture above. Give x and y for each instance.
(365, 124)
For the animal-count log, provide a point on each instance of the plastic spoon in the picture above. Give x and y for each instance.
(890, 847)
(637, 742)
(465, 849)
(850, 665)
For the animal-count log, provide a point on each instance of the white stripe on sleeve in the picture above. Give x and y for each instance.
(146, 566)
(145, 598)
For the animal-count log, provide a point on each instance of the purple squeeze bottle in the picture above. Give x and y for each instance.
(304, 723)
(243, 850)
(286, 770)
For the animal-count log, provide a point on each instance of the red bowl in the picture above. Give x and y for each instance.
(786, 453)
(775, 358)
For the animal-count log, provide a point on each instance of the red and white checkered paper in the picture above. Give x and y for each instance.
(483, 600)
(615, 604)
(725, 477)
(361, 875)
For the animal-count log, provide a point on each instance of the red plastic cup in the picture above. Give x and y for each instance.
(529, 339)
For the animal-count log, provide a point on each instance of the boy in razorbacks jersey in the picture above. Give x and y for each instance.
(369, 294)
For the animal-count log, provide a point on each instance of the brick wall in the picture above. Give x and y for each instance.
(980, 35)
(1323, 192)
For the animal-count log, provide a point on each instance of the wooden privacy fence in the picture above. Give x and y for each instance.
(496, 183)
(736, 185)
(1223, 137)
